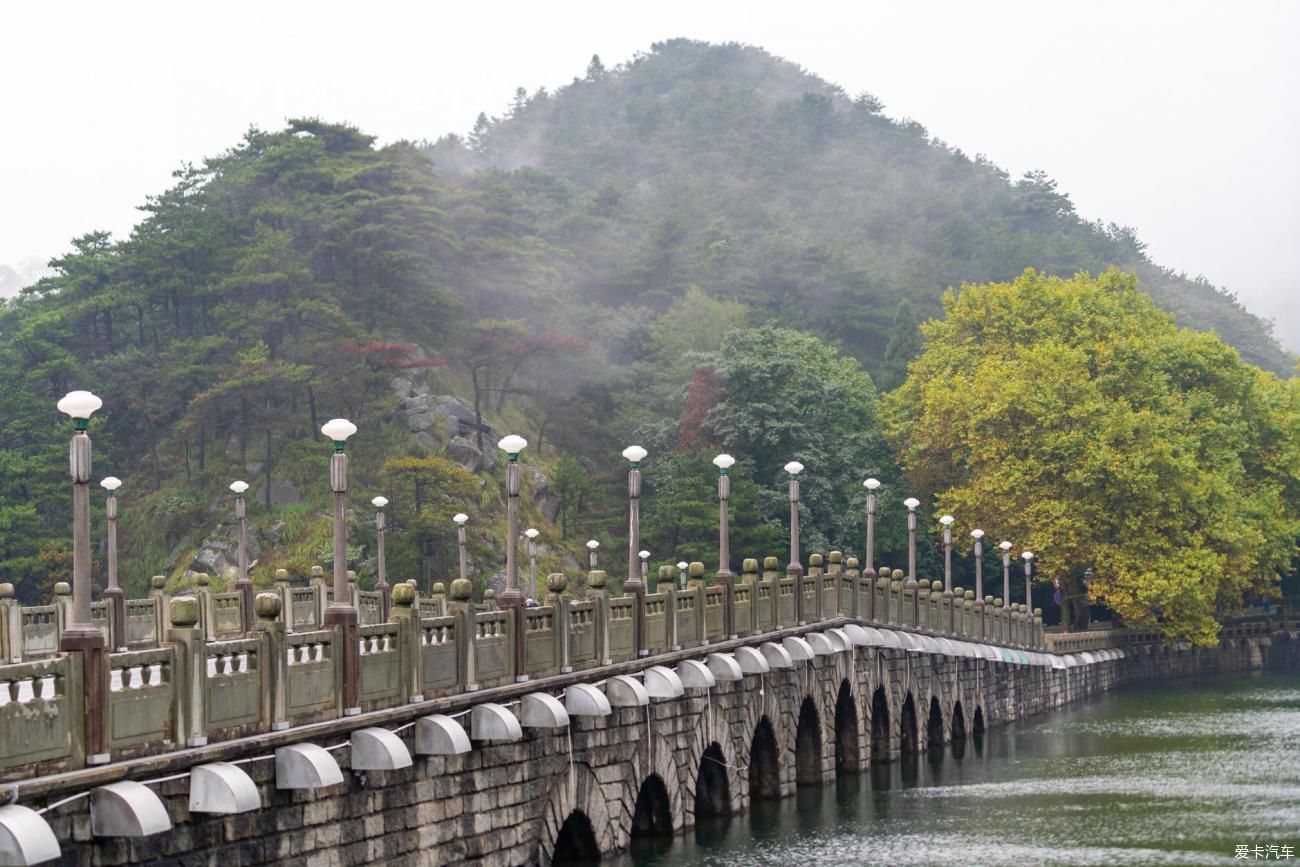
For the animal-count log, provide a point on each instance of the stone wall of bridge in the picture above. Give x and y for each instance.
(590, 785)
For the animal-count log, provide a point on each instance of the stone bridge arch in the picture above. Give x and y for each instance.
(578, 807)
(713, 751)
(662, 763)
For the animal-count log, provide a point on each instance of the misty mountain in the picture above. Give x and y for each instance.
(724, 167)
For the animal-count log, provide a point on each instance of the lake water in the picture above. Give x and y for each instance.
(1153, 775)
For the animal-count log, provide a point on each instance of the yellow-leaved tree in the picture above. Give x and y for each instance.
(1074, 417)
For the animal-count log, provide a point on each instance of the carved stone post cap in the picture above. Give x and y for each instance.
(63, 588)
(665, 573)
(749, 566)
(281, 575)
(184, 611)
(489, 595)
(814, 560)
(836, 556)
(352, 577)
(936, 586)
(897, 575)
(1038, 612)
(317, 573)
(461, 590)
(202, 579)
(403, 595)
(410, 581)
(969, 594)
(158, 582)
(438, 587)
(771, 564)
(558, 582)
(851, 563)
(267, 606)
(989, 600)
(695, 570)
(6, 591)
(997, 600)
(596, 579)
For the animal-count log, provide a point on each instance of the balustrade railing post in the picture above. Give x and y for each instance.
(814, 577)
(191, 672)
(202, 592)
(269, 625)
(596, 580)
(9, 619)
(772, 576)
(556, 583)
(410, 654)
(460, 607)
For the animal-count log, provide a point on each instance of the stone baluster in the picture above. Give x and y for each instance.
(772, 575)
(202, 591)
(854, 580)
(270, 627)
(460, 607)
(596, 590)
(556, 584)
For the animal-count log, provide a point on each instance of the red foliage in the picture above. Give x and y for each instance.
(701, 396)
(381, 354)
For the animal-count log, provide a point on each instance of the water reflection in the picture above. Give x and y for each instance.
(1172, 775)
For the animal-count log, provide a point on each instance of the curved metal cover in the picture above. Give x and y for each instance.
(751, 661)
(841, 637)
(821, 645)
(875, 636)
(695, 674)
(662, 682)
(724, 666)
(127, 809)
(798, 648)
(305, 766)
(624, 691)
(440, 735)
(889, 638)
(583, 699)
(492, 722)
(541, 710)
(1088, 658)
(857, 635)
(378, 749)
(25, 837)
(1058, 663)
(220, 787)
(777, 657)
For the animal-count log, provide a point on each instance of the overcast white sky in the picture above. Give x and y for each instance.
(1179, 118)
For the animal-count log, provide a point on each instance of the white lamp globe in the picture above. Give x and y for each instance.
(460, 517)
(682, 564)
(593, 544)
(794, 468)
(1005, 546)
(977, 534)
(338, 430)
(78, 405)
(531, 533)
(724, 462)
(947, 520)
(111, 484)
(239, 487)
(634, 454)
(379, 502)
(512, 444)
(644, 555)
(871, 484)
(911, 503)
(1028, 555)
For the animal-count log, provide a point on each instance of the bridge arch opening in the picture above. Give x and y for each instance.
(712, 786)
(653, 814)
(977, 731)
(576, 842)
(934, 726)
(847, 755)
(764, 772)
(808, 746)
(907, 729)
(958, 731)
(879, 726)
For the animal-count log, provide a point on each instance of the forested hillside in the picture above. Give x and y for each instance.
(708, 248)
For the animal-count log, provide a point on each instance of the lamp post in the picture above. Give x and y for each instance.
(872, 485)
(682, 566)
(978, 536)
(460, 518)
(634, 455)
(531, 534)
(1028, 557)
(795, 568)
(81, 635)
(341, 612)
(645, 567)
(512, 445)
(1006, 573)
(592, 545)
(947, 521)
(511, 598)
(723, 462)
(382, 583)
(242, 584)
(113, 592)
(911, 503)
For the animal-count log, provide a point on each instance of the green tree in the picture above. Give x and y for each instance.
(1074, 418)
(426, 493)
